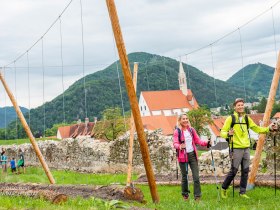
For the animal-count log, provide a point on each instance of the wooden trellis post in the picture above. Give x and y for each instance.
(28, 131)
(132, 130)
(132, 99)
(266, 120)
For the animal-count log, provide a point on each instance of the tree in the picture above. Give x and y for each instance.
(199, 118)
(113, 123)
(53, 131)
(275, 109)
(261, 107)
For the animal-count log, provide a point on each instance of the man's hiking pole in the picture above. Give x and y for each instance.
(274, 154)
(232, 168)
(214, 168)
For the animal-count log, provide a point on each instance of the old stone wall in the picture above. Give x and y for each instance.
(90, 155)
(271, 150)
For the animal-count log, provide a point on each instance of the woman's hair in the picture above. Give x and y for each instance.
(181, 115)
(179, 119)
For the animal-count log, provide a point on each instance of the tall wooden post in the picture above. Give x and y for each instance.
(266, 120)
(132, 99)
(27, 130)
(132, 130)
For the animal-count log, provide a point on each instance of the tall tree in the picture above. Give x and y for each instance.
(199, 119)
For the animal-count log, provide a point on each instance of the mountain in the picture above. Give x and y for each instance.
(10, 114)
(257, 78)
(102, 90)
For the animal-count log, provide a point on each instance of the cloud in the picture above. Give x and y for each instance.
(165, 27)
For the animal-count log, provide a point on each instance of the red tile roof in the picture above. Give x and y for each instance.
(218, 123)
(256, 117)
(73, 131)
(169, 99)
(277, 115)
(64, 131)
(166, 123)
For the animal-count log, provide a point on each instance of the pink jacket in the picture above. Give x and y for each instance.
(183, 157)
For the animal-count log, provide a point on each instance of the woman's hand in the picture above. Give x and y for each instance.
(182, 146)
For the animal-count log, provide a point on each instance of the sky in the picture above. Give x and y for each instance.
(229, 34)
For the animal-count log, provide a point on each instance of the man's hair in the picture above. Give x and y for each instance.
(238, 100)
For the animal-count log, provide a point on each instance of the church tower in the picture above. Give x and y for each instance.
(182, 80)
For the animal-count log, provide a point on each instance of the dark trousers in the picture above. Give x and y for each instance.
(195, 174)
(240, 156)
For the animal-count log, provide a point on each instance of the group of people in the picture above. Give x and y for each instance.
(185, 139)
(15, 166)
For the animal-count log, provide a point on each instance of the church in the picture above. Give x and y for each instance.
(160, 109)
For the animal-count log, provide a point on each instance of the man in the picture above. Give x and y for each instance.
(238, 133)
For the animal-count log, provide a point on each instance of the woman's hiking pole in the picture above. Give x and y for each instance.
(214, 168)
(177, 174)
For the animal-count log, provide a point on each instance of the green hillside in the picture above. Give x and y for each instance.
(102, 90)
(257, 78)
(8, 114)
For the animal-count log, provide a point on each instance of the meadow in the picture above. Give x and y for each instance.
(170, 198)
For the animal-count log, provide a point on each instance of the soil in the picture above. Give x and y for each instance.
(172, 179)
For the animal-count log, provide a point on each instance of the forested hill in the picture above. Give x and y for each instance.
(102, 89)
(8, 114)
(257, 78)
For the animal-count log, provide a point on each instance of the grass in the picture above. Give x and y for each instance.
(170, 198)
(23, 141)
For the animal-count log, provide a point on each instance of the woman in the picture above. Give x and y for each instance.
(185, 139)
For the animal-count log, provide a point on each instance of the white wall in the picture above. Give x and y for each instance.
(143, 107)
(156, 113)
(167, 112)
(177, 111)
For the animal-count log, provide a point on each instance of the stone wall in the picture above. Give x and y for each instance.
(270, 150)
(89, 155)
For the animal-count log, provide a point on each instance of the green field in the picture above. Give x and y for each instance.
(23, 141)
(170, 198)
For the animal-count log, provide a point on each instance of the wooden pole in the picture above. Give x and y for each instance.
(132, 130)
(266, 120)
(27, 130)
(132, 99)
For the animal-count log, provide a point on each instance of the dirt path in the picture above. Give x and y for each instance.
(171, 179)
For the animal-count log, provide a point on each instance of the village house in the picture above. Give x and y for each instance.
(76, 130)
(160, 109)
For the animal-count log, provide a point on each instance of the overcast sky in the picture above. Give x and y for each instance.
(170, 28)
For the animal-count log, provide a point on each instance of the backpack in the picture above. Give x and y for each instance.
(233, 122)
(179, 138)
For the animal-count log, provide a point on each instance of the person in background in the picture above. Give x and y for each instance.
(187, 154)
(238, 135)
(13, 165)
(4, 161)
(21, 161)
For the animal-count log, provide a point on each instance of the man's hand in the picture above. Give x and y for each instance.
(273, 127)
(231, 132)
